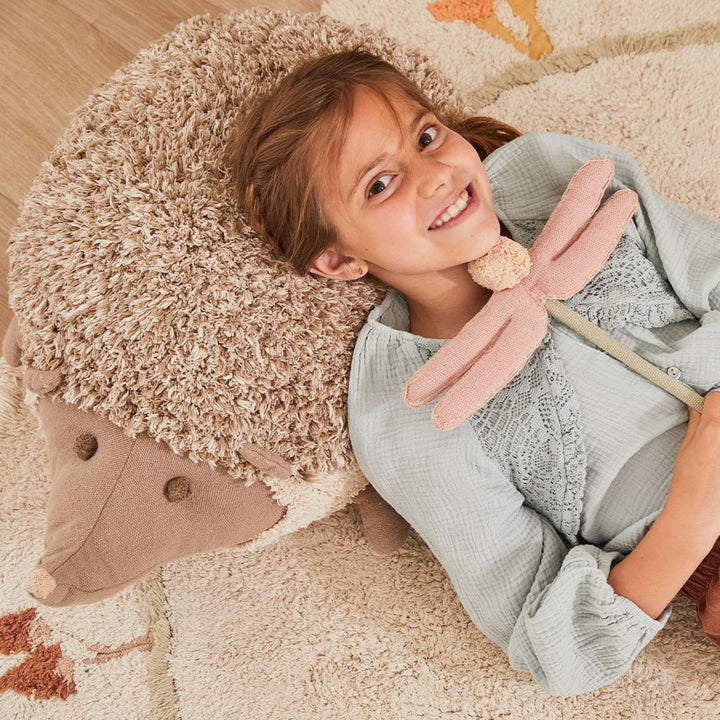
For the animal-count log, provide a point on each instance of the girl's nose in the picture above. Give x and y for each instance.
(433, 176)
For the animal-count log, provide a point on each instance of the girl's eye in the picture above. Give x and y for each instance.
(379, 185)
(427, 136)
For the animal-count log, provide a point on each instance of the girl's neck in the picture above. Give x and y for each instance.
(440, 309)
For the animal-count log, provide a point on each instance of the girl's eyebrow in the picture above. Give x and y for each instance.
(417, 120)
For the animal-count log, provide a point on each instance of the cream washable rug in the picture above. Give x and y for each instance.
(317, 625)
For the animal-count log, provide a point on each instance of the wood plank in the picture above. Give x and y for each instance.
(8, 214)
(52, 59)
(55, 52)
(131, 24)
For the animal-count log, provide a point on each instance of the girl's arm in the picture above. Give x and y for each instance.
(687, 527)
(546, 603)
(685, 249)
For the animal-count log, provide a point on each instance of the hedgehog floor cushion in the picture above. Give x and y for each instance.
(190, 387)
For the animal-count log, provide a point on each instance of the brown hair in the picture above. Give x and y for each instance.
(299, 128)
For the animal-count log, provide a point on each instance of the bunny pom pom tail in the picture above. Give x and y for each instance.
(504, 266)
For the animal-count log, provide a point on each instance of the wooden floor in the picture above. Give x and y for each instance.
(52, 54)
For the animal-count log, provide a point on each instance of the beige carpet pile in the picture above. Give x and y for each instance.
(317, 625)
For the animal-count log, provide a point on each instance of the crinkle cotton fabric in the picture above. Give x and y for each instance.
(528, 503)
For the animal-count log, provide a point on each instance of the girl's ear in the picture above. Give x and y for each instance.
(334, 264)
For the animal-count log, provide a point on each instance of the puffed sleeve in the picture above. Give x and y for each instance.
(683, 245)
(546, 603)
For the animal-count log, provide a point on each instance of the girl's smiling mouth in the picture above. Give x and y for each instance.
(454, 210)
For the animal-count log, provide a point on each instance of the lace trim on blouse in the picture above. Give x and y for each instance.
(627, 290)
(531, 429)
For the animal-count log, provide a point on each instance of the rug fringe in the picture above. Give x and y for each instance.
(163, 695)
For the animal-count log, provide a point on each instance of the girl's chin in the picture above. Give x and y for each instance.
(489, 242)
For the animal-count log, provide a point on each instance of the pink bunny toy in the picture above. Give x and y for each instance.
(494, 346)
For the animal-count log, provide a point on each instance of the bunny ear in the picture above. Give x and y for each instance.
(488, 352)
(499, 364)
(457, 355)
(573, 212)
(569, 272)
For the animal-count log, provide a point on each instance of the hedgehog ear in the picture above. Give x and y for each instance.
(42, 382)
(266, 460)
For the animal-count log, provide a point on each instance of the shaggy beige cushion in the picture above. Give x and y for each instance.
(145, 303)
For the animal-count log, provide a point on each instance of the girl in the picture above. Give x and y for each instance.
(573, 507)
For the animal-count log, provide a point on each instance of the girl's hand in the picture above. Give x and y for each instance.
(695, 487)
(686, 528)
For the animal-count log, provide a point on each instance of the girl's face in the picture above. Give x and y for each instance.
(410, 199)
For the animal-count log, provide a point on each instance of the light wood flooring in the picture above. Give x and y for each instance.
(52, 54)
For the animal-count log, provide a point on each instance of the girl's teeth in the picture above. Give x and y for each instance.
(454, 210)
